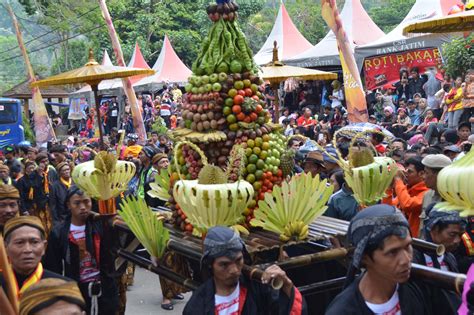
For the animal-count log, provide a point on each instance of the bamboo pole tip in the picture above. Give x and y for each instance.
(440, 250)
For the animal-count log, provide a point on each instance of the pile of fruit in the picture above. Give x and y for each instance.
(225, 116)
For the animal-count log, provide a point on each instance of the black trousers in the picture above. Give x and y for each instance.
(108, 301)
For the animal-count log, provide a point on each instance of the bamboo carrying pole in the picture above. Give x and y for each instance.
(8, 276)
(5, 306)
(160, 270)
(253, 273)
(445, 279)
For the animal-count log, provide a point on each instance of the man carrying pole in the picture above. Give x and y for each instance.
(228, 292)
(383, 247)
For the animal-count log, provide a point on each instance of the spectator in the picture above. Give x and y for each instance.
(165, 109)
(342, 204)
(415, 84)
(288, 129)
(464, 130)
(325, 118)
(422, 108)
(454, 102)
(389, 118)
(285, 115)
(314, 164)
(403, 121)
(429, 118)
(415, 119)
(112, 114)
(431, 87)
(402, 103)
(306, 123)
(403, 92)
(451, 151)
(337, 94)
(337, 119)
(378, 106)
(408, 195)
(433, 163)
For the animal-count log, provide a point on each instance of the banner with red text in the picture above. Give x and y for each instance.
(384, 69)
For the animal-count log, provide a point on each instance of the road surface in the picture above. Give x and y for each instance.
(144, 297)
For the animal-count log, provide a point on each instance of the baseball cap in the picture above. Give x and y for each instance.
(452, 148)
(330, 155)
(436, 161)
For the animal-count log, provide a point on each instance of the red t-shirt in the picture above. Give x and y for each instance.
(303, 121)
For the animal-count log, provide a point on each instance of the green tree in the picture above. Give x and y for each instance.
(389, 14)
(459, 56)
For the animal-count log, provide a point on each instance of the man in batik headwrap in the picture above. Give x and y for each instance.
(53, 297)
(9, 204)
(58, 194)
(228, 292)
(382, 241)
(5, 175)
(25, 244)
(81, 248)
(444, 228)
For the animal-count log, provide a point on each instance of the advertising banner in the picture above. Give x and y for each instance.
(383, 69)
(77, 108)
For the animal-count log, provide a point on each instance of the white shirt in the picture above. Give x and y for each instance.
(228, 305)
(442, 264)
(339, 96)
(391, 307)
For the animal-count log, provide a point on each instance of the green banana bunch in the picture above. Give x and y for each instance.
(206, 206)
(289, 209)
(295, 231)
(105, 177)
(456, 185)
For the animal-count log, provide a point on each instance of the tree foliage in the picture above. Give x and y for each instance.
(459, 56)
(391, 13)
(77, 25)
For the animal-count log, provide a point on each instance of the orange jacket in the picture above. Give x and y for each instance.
(409, 200)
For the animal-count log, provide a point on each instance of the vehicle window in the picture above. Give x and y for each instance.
(8, 113)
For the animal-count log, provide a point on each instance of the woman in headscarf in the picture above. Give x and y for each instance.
(389, 117)
(431, 87)
(337, 95)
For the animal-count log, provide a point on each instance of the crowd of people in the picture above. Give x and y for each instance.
(51, 233)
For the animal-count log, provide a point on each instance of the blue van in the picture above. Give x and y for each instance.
(11, 124)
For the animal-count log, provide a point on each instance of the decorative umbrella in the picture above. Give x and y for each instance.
(276, 72)
(93, 73)
(459, 22)
(352, 130)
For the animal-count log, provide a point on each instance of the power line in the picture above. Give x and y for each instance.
(44, 34)
(54, 44)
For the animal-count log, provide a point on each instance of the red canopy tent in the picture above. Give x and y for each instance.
(360, 30)
(169, 68)
(137, 61)
(289, 39)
